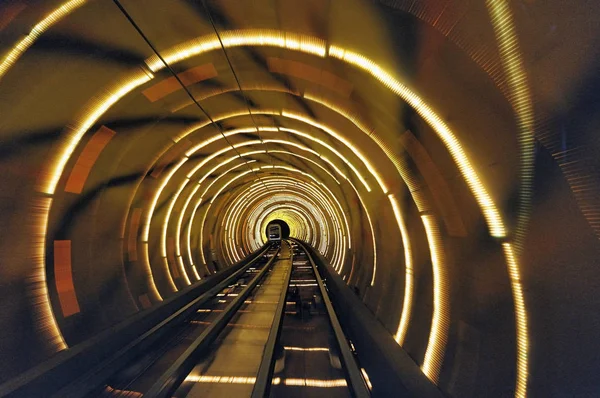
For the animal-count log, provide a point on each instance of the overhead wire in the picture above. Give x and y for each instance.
(149, 43)
(235, 76)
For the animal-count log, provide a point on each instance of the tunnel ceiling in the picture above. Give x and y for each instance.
(146, 146)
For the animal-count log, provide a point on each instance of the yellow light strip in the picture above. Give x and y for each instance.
(273, 212)
(323, 200)
(409, 274)
(348, 115)
(452, 144)
(252, 195)
(180, 219)
(434, 355)
(315, 193)
(312, 382)
(148, 267)
(362, 202)
(49, 20)
(39, 290)
(214, 198)
(237, 38)
(298, 117)
(520, 98)
(307, 159)
(94, 111)
(332, 149)
(343, 140)
(189, 230)
(221, 379)
(521, 320)
(182, 213)
(276, 381)
(367, 379)
(163, 240)
(333, 197)
(154, 201)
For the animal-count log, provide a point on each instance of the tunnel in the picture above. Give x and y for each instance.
(433, 165)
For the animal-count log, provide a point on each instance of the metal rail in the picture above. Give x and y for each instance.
(177, 372)
(357, 383)
(91, 380)
(267, 364)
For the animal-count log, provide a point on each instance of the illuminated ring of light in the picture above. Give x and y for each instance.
(175, 168)
(220, 152)
(289, 211)
(311, 191)
(294, 42)
(311, 187)
(256, 208)
(299, 190)
(242, 174)
(204, 162)
(205, 192)
(308, 192)
(321, 185)
(300, 118)
(243, 203)
(303, 234)
(237, 205)
(289, 115)
(147, 223)
(315, 46)
(260, 201)
(266, 205)
(278, 151)
(174, 198)
(275, 207)
(403, 173)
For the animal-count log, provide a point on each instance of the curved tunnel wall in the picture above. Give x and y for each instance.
(402, 149)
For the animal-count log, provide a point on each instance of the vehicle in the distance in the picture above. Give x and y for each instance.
(274, 233)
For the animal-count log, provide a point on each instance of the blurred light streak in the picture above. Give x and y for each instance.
(311, 382)
(436, 346)
(37, 282)
(276, 381)
(408, 279)
(366, 377)
(344, 141)
(292, 185)
(151, 283)
(483, 198)
(521, 320)
(46, 23)
(520, 98)
(308, 349)
(237, 38)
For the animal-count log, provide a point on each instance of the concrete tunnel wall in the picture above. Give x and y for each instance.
(501, 270)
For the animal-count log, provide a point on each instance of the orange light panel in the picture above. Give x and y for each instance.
(170, 85)
(87, 158)
(63, 276)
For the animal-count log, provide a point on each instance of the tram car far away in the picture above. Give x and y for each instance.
(274, 233)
